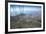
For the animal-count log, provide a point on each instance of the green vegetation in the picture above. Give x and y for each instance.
(25, 21)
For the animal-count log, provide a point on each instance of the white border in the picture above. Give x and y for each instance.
(24, 29)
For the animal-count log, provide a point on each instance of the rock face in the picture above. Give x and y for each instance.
(25, 21)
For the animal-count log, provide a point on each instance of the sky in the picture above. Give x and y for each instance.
(17, 9)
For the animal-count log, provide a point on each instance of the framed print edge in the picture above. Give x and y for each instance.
(6, 16)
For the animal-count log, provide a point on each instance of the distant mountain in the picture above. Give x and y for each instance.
(37, 13)
(34, 13)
